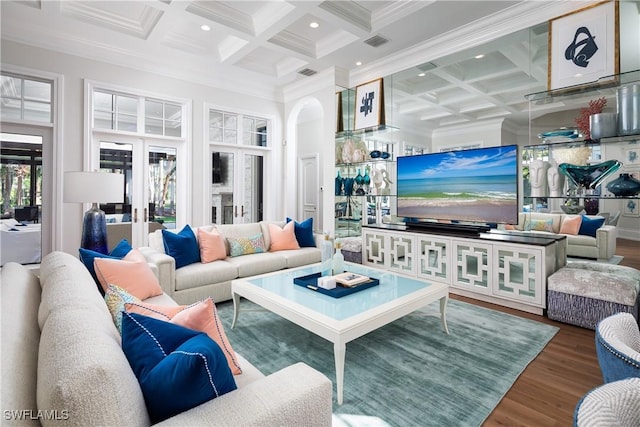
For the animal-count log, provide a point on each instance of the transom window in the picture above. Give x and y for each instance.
(124, 112)
(26, 99)
(224, 128)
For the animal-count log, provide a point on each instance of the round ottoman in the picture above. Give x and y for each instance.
(583, 293)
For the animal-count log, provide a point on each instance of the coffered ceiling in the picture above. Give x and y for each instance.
(260, 46)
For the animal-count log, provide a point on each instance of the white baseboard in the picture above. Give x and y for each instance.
(629, 234)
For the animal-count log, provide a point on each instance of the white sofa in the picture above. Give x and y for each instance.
(63, 364)
(601, 247)
(197, 281)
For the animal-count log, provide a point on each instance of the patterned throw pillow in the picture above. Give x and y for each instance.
(246, 245)
(116, 298)
(539, 225)
(177, 368)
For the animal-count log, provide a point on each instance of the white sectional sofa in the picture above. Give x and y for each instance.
(197, 281)
(602, 246)
(63, 363)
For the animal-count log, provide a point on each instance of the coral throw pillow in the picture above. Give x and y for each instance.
(304, 232)
(571, 225)
(177, 368)
(283, 238)
(212, 245)
(131, 273)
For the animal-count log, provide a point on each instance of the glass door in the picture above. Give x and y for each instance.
(237, 185)
(150, 199)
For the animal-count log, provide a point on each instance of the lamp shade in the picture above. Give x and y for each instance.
(93, 187)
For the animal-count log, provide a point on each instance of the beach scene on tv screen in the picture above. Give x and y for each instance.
(479, 185)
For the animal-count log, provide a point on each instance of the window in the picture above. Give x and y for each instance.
(162, 118)
(20, 172)
(116, 111)
(25, 99)
(223, 128)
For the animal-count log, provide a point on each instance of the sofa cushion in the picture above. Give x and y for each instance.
(253, 244)
(182, 246)
(212, 245)
(250, 265)
(197, 275)
(20, 298)
(282, 238)
(178, 368)
(304, 232)
(589, 225)
(132, 273)
(571, 224)
(302, 256)
(580, 240)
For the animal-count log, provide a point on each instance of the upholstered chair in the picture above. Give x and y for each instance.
(618, 347)
(613, 404)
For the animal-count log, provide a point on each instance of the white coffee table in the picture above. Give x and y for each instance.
(340, 320)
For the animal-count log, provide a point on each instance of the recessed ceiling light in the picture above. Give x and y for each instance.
(205, 27)
(479, 56)
(422, 74)
(314, 25)
(358, 63)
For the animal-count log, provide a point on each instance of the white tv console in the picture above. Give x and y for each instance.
(499, 267)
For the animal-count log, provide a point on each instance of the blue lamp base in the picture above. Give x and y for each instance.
(94, 230)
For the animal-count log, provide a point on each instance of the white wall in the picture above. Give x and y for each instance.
(76, 69)
(486, 133)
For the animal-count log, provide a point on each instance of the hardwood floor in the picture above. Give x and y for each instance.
(547, 392)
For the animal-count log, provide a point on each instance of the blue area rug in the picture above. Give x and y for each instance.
(408, 373)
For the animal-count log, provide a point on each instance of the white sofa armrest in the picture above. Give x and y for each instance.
(606, 240)
(297, 395)
(164, 268)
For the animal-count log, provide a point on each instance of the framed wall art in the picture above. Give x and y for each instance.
(584, 47)
(369, 105)
(631, 156)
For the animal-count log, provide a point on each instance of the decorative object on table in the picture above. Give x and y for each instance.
(311, 282)
(385, 155)
(584, 47)
(359, 182)
(94, 187)
(326, 253)
(559, 135)
(628, 98)
(538, 178)
(555, 179)
(603, 125)
(338, 184)
(589, 176)
(366, 179)
(624, 186)
(350, 279)
(338, 259)
(375, 154)
(583, 120)
(369, 105)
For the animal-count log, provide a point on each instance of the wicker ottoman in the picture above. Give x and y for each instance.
(583, 293)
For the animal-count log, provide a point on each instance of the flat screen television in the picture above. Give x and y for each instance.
(478, 185)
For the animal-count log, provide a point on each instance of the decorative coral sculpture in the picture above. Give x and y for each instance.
(582, 121)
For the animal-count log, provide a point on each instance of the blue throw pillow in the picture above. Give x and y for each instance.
(304, 232)
(589, 226)
(182, 246)
(177, 368)
(87, 256)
